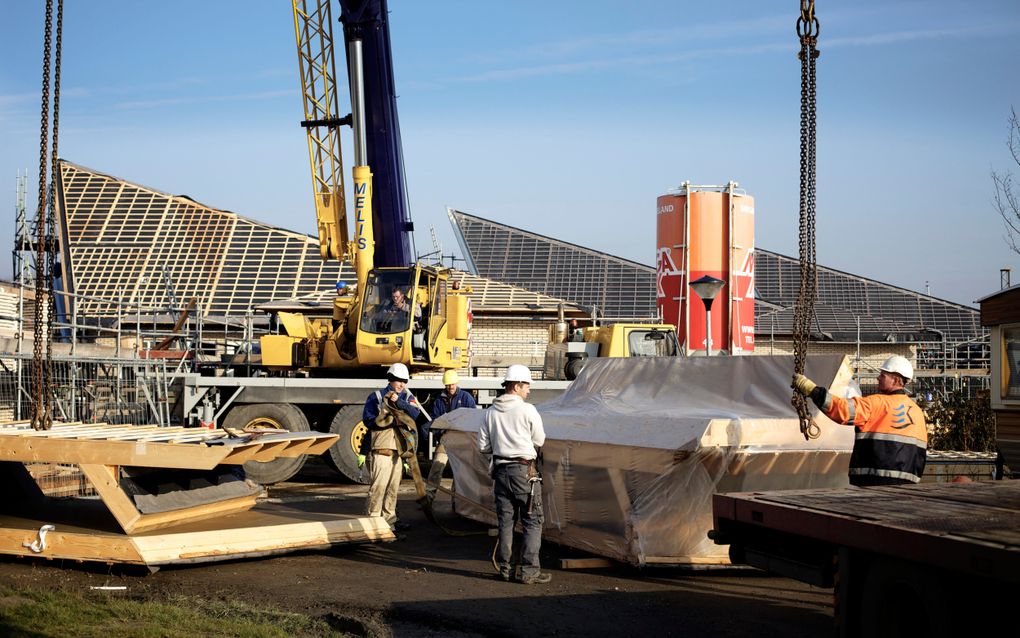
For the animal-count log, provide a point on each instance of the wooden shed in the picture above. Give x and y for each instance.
(1000, 312)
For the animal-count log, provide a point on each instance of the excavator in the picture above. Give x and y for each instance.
(395, 311)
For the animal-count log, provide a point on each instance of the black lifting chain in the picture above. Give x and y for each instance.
(44, 305)
(807, 31)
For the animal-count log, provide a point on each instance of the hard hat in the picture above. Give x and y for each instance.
(398, 371)
(900, 366)
(517, 373)
(450, 377)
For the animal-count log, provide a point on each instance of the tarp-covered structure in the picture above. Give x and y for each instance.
(635, 448)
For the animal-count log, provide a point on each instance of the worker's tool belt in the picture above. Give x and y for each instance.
(384, 452)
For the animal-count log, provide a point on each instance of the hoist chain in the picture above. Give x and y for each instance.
(51, 217)
(41, 413)
(807, 31)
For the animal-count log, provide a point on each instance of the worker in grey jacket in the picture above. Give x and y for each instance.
(512, 433)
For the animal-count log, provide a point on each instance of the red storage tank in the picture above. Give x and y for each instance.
(707, 230)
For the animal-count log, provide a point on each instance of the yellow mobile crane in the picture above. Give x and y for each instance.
(394, 312)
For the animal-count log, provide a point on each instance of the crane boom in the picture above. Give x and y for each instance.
(313, 28)
(367, 21)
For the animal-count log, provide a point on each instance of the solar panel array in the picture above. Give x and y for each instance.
(131, 243)
(617, 288)
(624, 289)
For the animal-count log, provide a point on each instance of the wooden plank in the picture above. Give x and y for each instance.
(106, 480)
(296, 448)
(177, 448)
(322, 443)
(110, 433)
(586, 563)
(60, 544)
(687, 560)
(298, 533)
(240, 455)
(56, 429)
(149, 522)
(269, 450)
(252, 533)
(136, 453)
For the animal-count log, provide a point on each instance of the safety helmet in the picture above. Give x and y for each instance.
(398, 371)
(517, 373)
(900, 366)
(450, 377)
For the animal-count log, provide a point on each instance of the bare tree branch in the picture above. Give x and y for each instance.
(1006, 200)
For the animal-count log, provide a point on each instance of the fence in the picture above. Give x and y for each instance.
(89, 390)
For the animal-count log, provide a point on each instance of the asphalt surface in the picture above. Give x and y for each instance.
(431, 583)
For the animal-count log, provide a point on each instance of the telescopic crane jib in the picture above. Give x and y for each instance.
(399, 311)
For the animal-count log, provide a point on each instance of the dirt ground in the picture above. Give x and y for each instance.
(433, 584)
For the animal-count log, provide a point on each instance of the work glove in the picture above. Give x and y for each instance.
(361, 460)
(803, 385)
(407, 467)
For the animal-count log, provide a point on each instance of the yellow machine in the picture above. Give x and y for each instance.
(428, 329)
(407, 314)
(564, 359)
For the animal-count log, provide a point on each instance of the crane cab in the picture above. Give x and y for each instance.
(412, 315)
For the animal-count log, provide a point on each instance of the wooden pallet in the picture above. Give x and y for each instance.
(100, 450)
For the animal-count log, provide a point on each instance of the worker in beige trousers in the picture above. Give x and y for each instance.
(386, 466)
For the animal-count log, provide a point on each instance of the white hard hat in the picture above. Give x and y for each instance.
(398, 371)
(517, 373)
(900, 366)
(450, 377)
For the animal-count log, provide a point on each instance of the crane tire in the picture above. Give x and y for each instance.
(573, 368)
(342, 456)
(275, 416)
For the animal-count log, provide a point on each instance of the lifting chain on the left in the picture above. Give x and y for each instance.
(44, 304)
(807, 30)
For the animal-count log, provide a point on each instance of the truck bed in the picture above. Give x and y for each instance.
(972, 528)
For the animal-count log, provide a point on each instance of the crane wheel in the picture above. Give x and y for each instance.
(342, 456)
(573, 368)
(269, 416)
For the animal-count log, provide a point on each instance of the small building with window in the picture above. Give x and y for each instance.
(1000, 312)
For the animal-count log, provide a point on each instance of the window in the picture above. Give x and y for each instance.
(652, 343)
(387, 303)
(1011, 362)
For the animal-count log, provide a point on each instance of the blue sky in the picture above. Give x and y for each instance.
(566, 118)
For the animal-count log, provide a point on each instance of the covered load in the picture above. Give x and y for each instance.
(635, 448)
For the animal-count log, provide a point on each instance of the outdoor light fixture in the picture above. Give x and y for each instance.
(707, 288)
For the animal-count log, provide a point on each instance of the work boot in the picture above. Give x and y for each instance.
(503, 576)
(538, 579)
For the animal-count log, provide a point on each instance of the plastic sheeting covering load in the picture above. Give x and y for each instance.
(635, 448)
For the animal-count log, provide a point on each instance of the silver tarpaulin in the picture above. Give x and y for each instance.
(635, 448)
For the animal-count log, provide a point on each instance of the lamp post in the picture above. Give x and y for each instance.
(707, 288)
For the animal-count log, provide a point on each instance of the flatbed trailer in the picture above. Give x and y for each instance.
(928, 560)
(303, 404)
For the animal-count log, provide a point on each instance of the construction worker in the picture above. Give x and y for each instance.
(386, 465)
(513, 434)
(394, 314)
(447, 401)
(892, 438)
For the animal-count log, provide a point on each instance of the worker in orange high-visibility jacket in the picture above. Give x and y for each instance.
(891, 441)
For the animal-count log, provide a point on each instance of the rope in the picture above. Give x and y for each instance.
(807, 30)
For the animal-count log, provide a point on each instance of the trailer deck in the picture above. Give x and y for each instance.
(972, 528)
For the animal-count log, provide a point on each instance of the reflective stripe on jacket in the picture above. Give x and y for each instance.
(891, 435)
